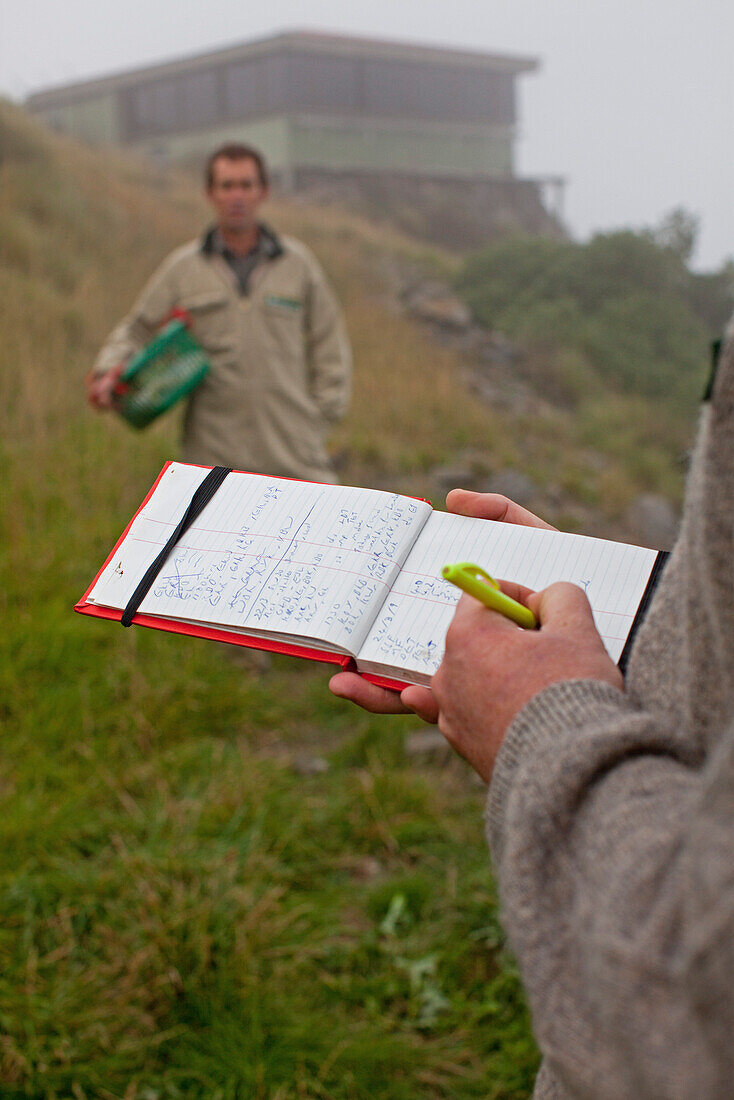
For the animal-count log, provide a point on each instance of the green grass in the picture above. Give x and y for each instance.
(182, 913)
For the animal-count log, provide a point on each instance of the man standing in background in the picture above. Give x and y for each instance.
(264, 314)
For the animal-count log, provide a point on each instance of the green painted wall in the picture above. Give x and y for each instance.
(271, 136)
(318, 143)
(423, 148)
(93, 120)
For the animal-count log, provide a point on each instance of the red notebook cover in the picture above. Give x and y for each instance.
(216, 634)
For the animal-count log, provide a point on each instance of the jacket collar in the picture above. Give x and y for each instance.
(269, 242)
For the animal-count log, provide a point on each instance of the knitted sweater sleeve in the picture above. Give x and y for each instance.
(611, 822)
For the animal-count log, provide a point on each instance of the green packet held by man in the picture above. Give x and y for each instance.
(168, 368)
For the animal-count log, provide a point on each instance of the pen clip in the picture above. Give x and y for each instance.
(476, 582)
(468, 569)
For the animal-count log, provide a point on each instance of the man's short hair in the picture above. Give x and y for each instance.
(234, 150)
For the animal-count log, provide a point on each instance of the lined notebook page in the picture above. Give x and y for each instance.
(409, 632)
(268, 555)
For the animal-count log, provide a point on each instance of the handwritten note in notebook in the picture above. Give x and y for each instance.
(333, 571)
(411, 626)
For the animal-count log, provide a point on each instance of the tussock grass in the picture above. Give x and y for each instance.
(182, 913)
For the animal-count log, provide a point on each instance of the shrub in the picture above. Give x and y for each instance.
(624, 300)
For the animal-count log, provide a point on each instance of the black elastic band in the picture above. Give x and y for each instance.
(199, 501)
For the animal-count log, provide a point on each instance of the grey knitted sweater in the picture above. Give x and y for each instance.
(611, 823)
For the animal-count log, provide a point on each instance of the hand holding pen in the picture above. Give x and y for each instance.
(477, 583)
(490, 668)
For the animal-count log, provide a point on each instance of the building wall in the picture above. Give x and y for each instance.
(94, 120)
(341, 145)
(272, 136)
(381, 145)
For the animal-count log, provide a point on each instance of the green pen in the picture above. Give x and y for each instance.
(470, 578)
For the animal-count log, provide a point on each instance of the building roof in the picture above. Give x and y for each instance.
(302, 40)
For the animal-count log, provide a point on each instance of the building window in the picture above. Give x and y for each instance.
(167, 104)
(199, 98)
(151, 108)
(244, 88)
(439, 92)
(298, 81)
(325, 83)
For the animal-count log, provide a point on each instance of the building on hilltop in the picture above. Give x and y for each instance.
(415, 130)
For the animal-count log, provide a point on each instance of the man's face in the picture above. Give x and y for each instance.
(236, 193)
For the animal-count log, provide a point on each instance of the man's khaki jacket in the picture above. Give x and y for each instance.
(281, 362)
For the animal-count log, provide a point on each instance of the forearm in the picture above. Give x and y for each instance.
(153, 305)
(596, 818)
(331, 376)
(127, 338)
(328, 351)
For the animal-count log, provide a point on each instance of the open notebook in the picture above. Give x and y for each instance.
(341, 574)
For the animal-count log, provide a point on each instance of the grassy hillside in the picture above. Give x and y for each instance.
(214, 883)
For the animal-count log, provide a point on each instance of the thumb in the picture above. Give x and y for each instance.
(563, 607)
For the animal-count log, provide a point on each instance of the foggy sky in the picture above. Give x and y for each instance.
(633, 103)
